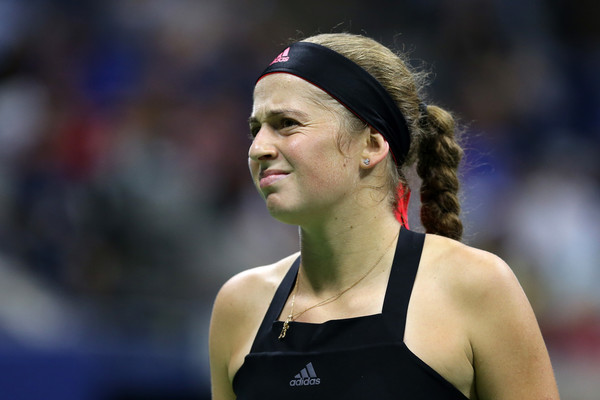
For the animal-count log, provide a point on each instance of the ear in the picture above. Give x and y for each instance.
(375, 150)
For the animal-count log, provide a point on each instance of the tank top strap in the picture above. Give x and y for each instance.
(401, 280)
(277, 304)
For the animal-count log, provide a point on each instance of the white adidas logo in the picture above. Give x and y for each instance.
(306, 377)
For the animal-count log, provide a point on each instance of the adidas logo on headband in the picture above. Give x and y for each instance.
(283, 57)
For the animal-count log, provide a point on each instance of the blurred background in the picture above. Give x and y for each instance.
(125, 200)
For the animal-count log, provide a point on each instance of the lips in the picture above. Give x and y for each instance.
(269, 177)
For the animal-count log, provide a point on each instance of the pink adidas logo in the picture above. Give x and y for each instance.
(283, 57)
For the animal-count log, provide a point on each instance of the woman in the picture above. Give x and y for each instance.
(367, 308)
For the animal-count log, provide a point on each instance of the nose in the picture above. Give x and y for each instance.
(262, 147)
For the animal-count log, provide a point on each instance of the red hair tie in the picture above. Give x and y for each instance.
(401, 211)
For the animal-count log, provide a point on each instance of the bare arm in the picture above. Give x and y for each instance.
(237, 313)
(510, 358)
(220, 344)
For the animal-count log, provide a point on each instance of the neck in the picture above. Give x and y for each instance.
(338, 251)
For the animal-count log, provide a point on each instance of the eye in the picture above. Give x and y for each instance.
(287, 123)
(254, 128)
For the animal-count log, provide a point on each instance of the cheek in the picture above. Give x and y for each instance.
(254, 168)
(324, 166)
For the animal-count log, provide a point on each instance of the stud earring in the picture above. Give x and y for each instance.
(366, 161)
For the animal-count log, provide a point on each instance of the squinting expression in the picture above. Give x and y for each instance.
(294, 158)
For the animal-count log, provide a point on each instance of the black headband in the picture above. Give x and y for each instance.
(349, 84)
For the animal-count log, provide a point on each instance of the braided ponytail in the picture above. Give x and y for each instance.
(439, 156)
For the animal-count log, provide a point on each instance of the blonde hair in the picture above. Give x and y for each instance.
(434, 145)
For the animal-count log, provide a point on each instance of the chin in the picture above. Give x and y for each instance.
(294, 216)
(284, 215)
(283, 212)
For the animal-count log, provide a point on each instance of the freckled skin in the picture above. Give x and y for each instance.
(299, 136)
(468, 317)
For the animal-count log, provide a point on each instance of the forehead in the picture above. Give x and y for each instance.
(281, 90)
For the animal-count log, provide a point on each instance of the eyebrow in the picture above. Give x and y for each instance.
(278, 113)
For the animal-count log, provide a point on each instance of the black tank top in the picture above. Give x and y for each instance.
(355, 358)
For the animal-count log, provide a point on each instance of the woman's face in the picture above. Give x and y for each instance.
(295, 158)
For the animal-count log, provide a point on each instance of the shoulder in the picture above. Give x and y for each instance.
(480, 282)
(469, 273)
(242, 302)
(242, 294)
(237, 313)
(478, 286)
(508, 350)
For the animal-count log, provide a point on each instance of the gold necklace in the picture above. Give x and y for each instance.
(291, 316)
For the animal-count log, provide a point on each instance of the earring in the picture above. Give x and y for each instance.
(366, 161)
